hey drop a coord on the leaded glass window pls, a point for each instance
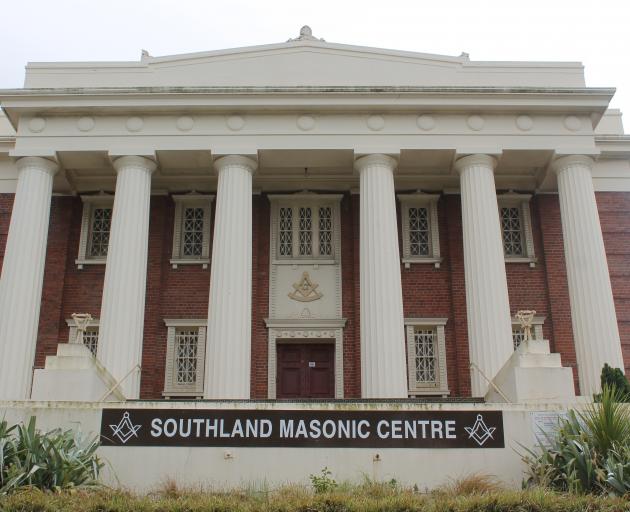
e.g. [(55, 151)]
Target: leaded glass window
[(518, 336), (512, 231), (325, 231), (192, 232), (100, 226), (305, 231), (419, 232), (186, 347), (426, 355), (90, 339), (285, 232)]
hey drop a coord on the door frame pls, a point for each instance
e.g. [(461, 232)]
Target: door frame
[(315, 331)]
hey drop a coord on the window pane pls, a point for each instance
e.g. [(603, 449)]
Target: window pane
[(512, 232), (99, 232), (325, 231), (425, 341), (419, 234), (306, 232), (90, 339), (286, 232), (186, 346), (192, 232), (518, 336)]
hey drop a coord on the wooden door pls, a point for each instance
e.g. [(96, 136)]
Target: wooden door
[(306, 370)]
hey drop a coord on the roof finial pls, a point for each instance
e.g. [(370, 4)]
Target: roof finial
[(306, 34)]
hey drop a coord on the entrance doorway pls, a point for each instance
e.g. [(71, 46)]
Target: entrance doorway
[(306, 370)]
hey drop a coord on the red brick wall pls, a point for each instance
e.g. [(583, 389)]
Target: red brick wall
[(427, 291), (614, 216)]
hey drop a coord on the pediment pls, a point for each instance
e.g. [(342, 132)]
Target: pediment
[(303, 62)]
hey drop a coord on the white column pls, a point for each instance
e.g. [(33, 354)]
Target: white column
[(487, 303), (595, 330), (121, 325), (383, 361), (228, 354), (23, 276)]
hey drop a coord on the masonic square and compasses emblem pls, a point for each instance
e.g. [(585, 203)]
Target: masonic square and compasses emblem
[(305, 290), (125, 430), (480, 432)]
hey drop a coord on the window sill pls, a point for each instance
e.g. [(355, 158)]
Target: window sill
[(429, 392), (433, 261), (82, 262), (182, 394), (532, 261), (203, 262), (296, 261)]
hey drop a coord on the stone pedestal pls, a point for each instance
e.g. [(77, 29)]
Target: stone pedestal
[(73, 375), (23, 276), (383, 360), (533, 374), (228, 352)]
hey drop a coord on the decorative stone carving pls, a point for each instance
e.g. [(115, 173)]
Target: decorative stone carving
[(524, 123), (82, 321), (306, 122), (37, 124), (235, 123), (185, 123), (306, 34), (85, 124), (134, 124), (376, 123), (425, 122), (475, 122), (572, 123), (305, 290), (525, 318)]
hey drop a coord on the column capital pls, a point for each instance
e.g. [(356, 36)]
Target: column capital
[(362, 163), (134, 161), (236, 160), (37, 161), (564, 162), (477, 159)]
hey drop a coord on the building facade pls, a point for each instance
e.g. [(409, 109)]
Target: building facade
[(308, 220)]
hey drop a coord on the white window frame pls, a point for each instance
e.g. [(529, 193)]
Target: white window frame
[(537, 327), (441, 385), (171, 388), (520, 201), (89, 204), (181, 203), (430, 202), (72, 332), (314, 201)]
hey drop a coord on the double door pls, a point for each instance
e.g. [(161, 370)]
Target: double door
[(306, 370)]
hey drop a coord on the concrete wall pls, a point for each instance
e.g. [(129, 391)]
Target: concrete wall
[(144, 468)]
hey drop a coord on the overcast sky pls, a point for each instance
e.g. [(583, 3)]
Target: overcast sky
[(592, 32)]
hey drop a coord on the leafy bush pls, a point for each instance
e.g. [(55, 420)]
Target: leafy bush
[(52, 460), (323, 482), (589, 453), (614, 378)]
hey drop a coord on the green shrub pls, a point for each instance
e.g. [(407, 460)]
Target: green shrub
[(323, 482), (51, 460), (615, 379), (589, 453)]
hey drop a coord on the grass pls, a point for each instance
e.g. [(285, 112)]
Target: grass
[(477, 493)]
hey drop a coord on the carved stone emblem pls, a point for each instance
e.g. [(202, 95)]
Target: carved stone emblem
[(82, 321), (305, 290), (525, 318)]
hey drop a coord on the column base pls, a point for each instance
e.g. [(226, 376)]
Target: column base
[(74, 374), (533, 374)]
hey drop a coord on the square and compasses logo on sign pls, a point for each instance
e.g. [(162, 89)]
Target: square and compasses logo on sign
[(480, 432), (125, 429)]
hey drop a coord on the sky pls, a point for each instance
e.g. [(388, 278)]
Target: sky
[(592, 32)]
